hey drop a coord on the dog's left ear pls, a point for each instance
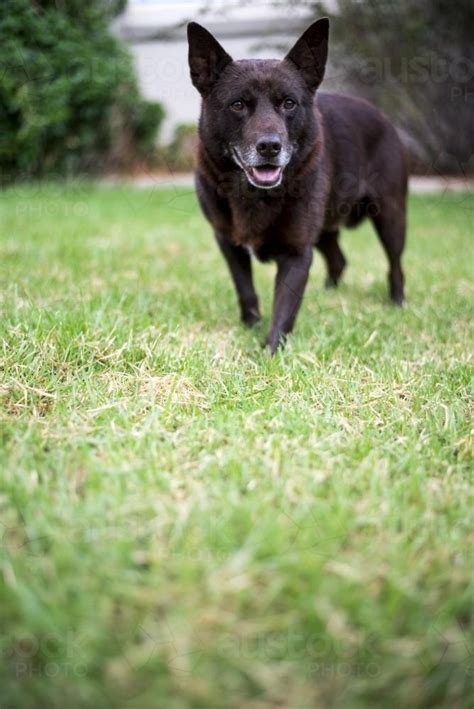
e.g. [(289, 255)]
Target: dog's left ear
[(206, 58), (310, 53)]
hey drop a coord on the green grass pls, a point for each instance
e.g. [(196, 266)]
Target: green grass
[(187, 522)]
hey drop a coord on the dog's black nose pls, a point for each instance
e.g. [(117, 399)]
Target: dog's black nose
[(269, 145)]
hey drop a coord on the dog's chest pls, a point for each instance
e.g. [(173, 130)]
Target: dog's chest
[(255, 221)]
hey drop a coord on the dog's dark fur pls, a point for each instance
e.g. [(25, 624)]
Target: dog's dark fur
[(279, 169)]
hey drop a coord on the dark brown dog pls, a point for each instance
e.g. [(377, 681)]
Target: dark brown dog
[(280, 170)]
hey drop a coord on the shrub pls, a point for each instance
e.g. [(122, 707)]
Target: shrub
[(68, 93)]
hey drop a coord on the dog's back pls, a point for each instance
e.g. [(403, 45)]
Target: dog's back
[(364, 158)]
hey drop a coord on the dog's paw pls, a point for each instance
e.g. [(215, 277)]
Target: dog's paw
[(251, 318), (330, 283), (274, 342), (397, 300)]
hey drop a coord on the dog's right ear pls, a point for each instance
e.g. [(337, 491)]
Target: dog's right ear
[(207, 58)]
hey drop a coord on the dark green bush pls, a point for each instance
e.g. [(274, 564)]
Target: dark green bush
[(69, 99)]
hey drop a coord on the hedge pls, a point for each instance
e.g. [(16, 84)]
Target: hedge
[(69, 99)]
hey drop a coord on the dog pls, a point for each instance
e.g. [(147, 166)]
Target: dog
[(281, 167)]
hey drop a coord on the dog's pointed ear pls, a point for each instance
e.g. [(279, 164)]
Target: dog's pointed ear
[(310, 53), (207, 58)]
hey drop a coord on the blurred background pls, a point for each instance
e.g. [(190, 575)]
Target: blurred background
[(102, 86)]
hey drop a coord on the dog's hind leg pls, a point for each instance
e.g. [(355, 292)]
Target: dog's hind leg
[(328, 246), (389, 224), (240, 267)]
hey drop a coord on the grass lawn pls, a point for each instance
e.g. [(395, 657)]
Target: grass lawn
[(187, 522)]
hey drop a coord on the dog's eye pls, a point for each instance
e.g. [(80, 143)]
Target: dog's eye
[(289, 104), (237, 105)]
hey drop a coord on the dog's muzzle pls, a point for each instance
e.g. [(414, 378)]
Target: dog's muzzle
[(264, 175)]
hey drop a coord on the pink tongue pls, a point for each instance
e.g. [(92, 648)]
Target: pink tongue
[(266, 174)]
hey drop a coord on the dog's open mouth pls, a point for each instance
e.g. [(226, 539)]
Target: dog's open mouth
[(265, 175)]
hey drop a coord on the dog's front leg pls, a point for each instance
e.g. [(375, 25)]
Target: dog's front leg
[(240, 267), (291, 279)]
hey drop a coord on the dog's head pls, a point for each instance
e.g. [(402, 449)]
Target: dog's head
[(259, 113)]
